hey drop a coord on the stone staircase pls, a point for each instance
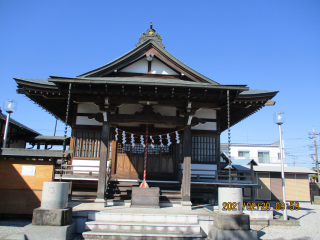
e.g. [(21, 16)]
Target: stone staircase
[(119, 192), (106, 225)]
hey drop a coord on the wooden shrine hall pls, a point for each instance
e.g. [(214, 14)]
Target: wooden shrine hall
[(110, 108)]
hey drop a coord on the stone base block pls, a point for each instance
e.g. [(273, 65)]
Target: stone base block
[(227, 221), (316, 200), (33, 232), (145, 197), (100, 203), (260, 214), (52, 217), (186, 205), (218, 234)]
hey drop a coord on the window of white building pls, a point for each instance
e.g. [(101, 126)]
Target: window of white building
[(245, 154), (264, 157)]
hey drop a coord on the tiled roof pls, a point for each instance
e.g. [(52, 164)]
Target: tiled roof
[(255, 91), (17, 124), (36, 80), (144, 80)]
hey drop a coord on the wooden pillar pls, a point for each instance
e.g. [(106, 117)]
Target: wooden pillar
[(104, 153), (186, 180)]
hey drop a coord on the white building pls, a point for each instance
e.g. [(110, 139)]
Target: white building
[(263, 154)]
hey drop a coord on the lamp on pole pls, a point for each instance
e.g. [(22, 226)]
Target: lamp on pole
[(9, 106), (279, 118)]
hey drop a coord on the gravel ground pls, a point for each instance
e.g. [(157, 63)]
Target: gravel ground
[(308, 215)]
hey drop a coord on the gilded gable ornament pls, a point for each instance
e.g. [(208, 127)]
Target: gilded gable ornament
[(150, 34)]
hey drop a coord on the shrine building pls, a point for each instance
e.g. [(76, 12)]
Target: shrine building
[(147, 93)]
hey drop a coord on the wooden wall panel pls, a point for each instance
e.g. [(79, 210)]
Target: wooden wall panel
[(10, 174), (264, 181), (21, 194), (303, 187), (19, 201), (276, 186), (290, 184)]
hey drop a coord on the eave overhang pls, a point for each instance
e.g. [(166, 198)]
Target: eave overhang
[(146, 82)]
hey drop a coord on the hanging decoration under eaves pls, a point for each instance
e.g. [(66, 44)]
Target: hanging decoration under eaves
[(132, 138), (124, 137)]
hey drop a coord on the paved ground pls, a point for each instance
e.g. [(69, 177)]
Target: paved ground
[(308, 215)]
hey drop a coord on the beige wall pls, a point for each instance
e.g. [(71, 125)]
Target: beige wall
[(264, 181), (297, 187), (21, 194)]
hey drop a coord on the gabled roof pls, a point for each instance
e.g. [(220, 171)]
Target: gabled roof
[(17, 125), (138, 53)]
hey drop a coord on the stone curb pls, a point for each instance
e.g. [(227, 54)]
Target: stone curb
[(275, 222)]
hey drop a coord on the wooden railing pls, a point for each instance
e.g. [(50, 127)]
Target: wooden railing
[(221, 176), (69, 170), (74, 172)]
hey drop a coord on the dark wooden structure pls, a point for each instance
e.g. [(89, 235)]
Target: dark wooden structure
[(147, 85)]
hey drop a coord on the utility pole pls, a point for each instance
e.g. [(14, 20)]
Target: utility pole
[(315, 150)]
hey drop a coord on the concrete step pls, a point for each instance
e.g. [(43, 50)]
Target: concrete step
[(148, 228), (143, 218), (138, 236)]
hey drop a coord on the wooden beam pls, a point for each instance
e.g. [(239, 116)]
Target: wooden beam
[(146, 119), (149, 66)]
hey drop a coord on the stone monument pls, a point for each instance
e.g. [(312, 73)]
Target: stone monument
[(145, 197), (229, 221), (53, 220)]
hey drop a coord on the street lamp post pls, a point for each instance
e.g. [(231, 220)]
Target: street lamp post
[(9, 106), (279, 118)]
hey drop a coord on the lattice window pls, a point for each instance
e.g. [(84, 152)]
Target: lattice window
[(87, 144), (203, 149)]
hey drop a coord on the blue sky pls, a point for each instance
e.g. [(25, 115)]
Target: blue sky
[(269, 45)]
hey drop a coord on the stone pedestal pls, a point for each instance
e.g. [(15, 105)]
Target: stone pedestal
[(186, 205), (52, 217), (145, 197), (316, 200), (100, 203), (34, 232), (53, 220), (218, 234), (229, 222)]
